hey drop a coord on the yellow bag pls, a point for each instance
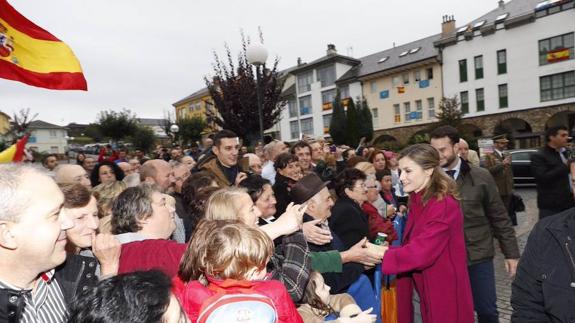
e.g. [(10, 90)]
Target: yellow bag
[(389, 303)]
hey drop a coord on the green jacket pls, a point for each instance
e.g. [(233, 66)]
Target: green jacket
[(484, 216)]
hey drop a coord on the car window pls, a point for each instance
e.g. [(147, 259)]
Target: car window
[(522, 156)]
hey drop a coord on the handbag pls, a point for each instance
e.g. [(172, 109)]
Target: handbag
[(389, 303), (517, 204)]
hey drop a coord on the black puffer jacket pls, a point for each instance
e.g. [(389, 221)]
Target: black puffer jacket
[(544, 288)]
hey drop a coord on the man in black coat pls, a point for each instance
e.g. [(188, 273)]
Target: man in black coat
[(544, 287), (551, 171)]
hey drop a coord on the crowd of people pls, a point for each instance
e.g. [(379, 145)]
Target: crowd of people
[(286, 233)]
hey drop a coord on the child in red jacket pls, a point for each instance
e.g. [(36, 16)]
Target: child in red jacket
[(222, 276)]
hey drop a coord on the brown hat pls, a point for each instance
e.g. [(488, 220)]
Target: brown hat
[(500, 138), (306, 188)]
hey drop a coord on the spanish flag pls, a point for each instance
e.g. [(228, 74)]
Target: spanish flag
[(15, 152), (31, 55), (558, 55), (400, 89)]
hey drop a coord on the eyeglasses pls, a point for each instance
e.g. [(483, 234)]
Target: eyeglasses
[(363, 186)]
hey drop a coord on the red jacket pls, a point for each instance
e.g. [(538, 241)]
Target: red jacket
[(161, 254), (377, 223), (193, 294), (432, 258)]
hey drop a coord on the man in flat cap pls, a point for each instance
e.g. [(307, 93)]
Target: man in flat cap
[(499, 165)]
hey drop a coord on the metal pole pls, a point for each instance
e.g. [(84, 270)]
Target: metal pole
[(260, 113)]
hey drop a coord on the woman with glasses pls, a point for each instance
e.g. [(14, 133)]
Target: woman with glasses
[(348, 220)]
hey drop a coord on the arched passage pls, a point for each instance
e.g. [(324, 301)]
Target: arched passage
[(387, 142), (520, 132)]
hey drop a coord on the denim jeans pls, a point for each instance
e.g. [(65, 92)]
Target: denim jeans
[(482, 277)]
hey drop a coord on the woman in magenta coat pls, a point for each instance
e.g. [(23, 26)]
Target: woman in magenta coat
[(431, 258)]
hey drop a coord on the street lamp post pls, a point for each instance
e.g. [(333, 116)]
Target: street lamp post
[(257, 55), (174, 130)]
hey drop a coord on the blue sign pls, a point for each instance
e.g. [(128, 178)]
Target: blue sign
[(384, 94), (32, 140), (423, 84)]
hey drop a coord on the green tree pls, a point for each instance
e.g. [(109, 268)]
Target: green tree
[(353, 125), (191, 129), (143, 138), (117, 125), (449, 112), (366, 120), (93, 131), (338, 121), (234, 92)]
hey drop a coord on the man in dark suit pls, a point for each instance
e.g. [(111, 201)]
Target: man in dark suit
[(550, 168)]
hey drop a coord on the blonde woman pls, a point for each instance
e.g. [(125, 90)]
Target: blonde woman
[(289, 264), (432, 257)]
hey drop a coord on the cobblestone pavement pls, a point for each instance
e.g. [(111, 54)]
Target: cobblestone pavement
[(526, 221)]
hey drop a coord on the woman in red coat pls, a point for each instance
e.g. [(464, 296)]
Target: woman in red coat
[(432, 257)]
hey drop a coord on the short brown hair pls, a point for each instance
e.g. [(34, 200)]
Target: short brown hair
[(225, 249), (75, 195)]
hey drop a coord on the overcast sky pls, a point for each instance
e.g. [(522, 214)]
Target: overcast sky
[(145, 55)]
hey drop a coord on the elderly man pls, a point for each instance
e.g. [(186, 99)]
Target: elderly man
[(126, 168), (469, 155), (143, 221), (188, 160), (71, 174), (50, 162), (255, 163), (135, 163), (271, 151), (88, 164), (340, 268), (32, 244)]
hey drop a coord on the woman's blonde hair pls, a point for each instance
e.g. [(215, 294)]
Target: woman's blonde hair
[(225, 249), (366, 167), (223, 204), (440, 184)]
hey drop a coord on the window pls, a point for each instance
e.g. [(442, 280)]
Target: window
[(304, 82), (344, 92), (374, 113), (328, 96), (406, 78), (503, 102), (305, 105), (292, 107), (307, 126), (373, 87), (326, 75), (417, 76), (383, 59), (395, 81), (478, 60), (407, 108), (294, 129), (463, 70), (431, 108), (464, 102), (556, 49), (480, 100), (52, 133), (414, 50), (419, 109), (326, 122), (54, 149), (430, 73), (557, 86), (501, 61), (397, 113)]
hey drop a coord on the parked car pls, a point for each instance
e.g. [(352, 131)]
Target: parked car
[(521, 165)]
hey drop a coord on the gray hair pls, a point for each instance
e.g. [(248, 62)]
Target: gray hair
[(133, 205), (12, 202)]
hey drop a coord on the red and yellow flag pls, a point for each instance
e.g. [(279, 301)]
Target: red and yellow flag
[(15, 152), (31, 55), (558, 55)]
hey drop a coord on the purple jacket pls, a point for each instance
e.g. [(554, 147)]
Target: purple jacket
[(432, 259)]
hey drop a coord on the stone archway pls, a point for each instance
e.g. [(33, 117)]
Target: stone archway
[(563, 118), (521, 132), (386, 142)]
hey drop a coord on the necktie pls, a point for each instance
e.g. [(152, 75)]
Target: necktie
[(451, 173)]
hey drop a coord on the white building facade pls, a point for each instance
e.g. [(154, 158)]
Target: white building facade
[(47, 138)]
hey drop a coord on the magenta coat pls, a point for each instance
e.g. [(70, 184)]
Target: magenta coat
[(432, 260)]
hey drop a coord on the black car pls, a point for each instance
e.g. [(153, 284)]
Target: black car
[(521, 165)]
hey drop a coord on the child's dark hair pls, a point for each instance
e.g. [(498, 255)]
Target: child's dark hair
[(310, 297)]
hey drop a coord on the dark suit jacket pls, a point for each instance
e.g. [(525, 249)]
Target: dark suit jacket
[(348, 221), (552, 178)]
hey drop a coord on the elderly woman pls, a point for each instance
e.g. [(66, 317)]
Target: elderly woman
[(348, 220), (288, 173), (289, 264), (106, 172)]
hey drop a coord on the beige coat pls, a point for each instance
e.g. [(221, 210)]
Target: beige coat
[(502, 174), (337, 302)]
